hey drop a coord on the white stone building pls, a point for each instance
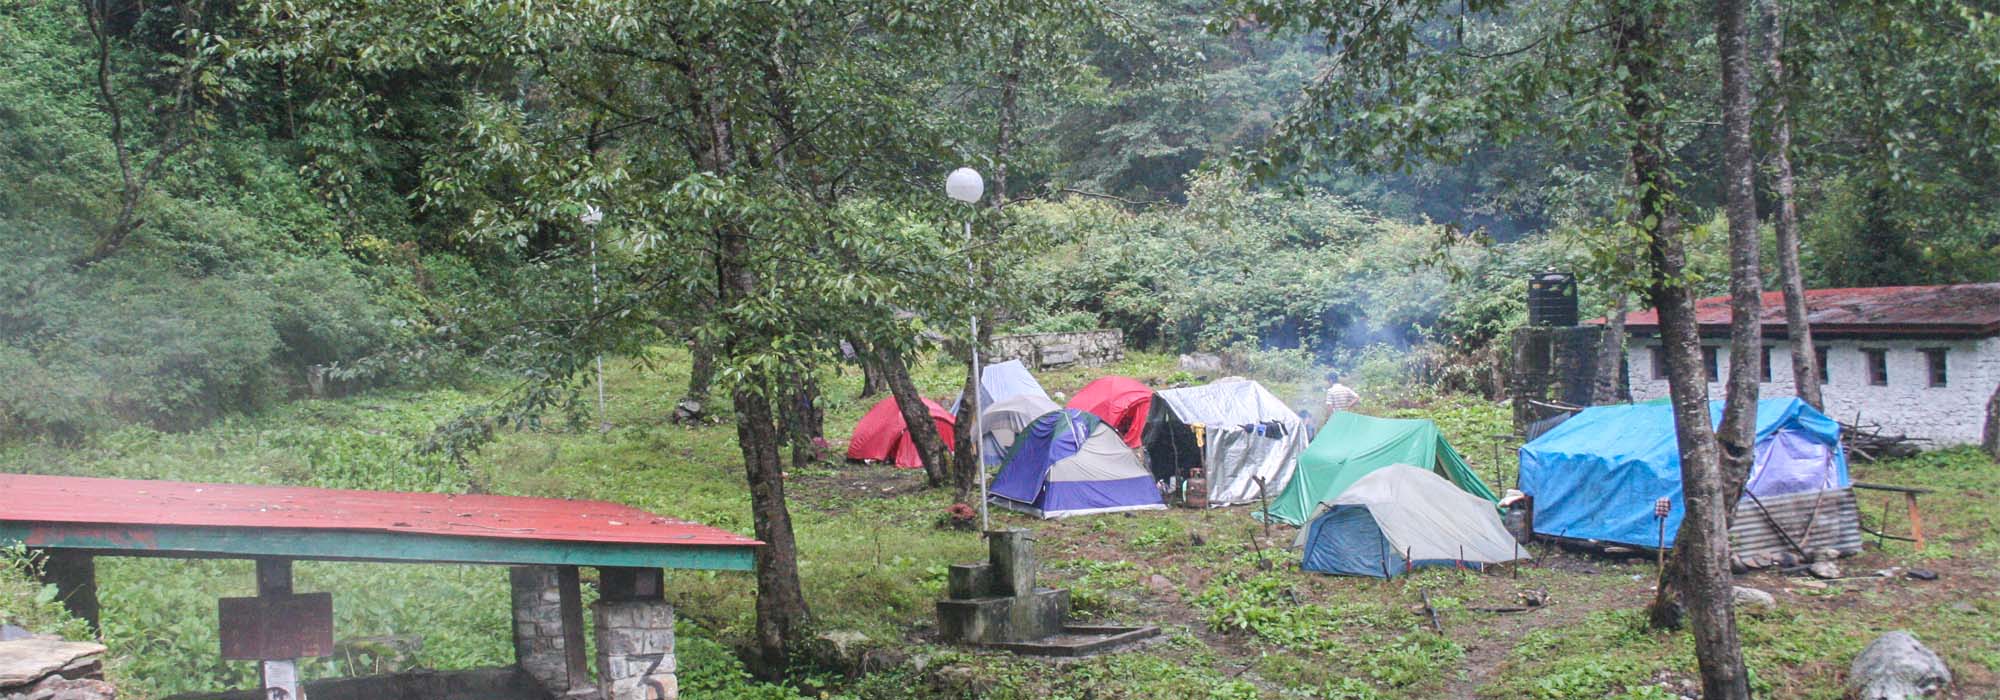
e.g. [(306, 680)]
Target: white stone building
[(1917, 361)]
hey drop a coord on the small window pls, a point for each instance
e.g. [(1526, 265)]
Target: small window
[(1659, 362), (1825, 375), (1710, 363), (1935, 360), (1764, 364), (1878, 366)]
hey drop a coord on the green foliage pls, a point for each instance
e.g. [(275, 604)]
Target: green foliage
[(29, 603)]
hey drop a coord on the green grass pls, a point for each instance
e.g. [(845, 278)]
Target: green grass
[(873, 561)]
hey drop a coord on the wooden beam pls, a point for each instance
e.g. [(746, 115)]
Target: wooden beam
[(620, 584), (569, 589), (75, 577), (1916, 520), (274, 577), (337, 545)]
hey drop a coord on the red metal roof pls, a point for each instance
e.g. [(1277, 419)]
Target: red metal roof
[(1940, 311), (128, 502)]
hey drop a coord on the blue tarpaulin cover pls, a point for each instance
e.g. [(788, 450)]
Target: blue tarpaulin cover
[(1596, 476)]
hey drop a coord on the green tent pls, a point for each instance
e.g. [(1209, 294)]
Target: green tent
[(1352, 445)]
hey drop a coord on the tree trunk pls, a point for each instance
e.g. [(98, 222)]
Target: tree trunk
[(805, 420), (701, 373), (872, 381), (1991, 439), (1738, 431), (781, 603), (916, 416), (1805, 356), (966, 461), (781, 606), (1609, 387), (1701, 551)]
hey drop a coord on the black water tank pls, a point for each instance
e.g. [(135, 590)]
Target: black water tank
[(1552, 299)]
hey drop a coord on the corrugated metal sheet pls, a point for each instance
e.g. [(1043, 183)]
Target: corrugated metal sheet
[(1952, 310), (91, 501), (1814, 521)]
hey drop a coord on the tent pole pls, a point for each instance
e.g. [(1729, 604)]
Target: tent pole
[(978, 386)]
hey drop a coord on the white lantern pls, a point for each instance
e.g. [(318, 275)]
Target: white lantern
[(965, 185)]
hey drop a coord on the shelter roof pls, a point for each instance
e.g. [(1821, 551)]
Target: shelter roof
[(183, 519), (1937, 311)]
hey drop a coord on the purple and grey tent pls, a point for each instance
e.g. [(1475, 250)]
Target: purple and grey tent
[(1070, 462)]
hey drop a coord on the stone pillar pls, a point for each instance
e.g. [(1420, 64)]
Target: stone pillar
[(541, 639), (1012, 554), (635, 636)]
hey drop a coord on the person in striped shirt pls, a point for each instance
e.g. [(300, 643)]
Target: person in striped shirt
[(1338, 396)]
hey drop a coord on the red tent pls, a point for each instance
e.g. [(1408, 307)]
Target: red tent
[(881, 437), (1121, 401)]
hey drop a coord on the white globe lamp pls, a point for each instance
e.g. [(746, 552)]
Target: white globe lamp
[(965, 185)]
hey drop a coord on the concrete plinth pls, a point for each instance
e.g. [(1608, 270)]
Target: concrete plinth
[(1003, 618), (1012, 554)]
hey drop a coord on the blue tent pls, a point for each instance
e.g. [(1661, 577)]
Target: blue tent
[(1069, 462), (1597, 475)]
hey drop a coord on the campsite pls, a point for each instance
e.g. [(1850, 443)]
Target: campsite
[(1068, 349), (1232, 627)]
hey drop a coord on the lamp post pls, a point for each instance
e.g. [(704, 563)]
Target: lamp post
[(965, 185), (592, 216)]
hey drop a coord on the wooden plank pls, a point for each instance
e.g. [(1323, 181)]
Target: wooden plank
[(281, 626), (1916, 520), (335, 545), (620, 584), (274, 577), (1889, 487), (569, 591)]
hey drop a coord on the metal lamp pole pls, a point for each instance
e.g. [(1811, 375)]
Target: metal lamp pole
[(591, 217), (965, 185)]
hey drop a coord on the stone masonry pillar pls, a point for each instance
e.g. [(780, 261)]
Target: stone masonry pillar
[(541, 645), (635, 636)]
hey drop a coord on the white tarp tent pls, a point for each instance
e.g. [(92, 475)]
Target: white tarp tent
[(1001, 381), (1400, 516), (1248, 433)]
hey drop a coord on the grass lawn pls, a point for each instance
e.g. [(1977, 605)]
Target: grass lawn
[(1240, 620)]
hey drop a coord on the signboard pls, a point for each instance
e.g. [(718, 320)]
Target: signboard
[(277, 627)]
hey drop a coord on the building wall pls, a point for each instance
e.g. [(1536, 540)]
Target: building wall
[(1949, 415)]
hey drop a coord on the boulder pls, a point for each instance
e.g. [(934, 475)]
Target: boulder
[(1824, 569), (1896, 667), (57, 688), (1753, 600), (1825, 554), (24, 661)]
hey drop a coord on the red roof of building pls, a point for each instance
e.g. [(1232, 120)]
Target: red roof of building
[(73, 500), (1939, 311)]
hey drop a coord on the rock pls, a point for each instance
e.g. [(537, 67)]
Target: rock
[(1753, 599), (1159, 585), (1201, 362), (10, 633), (847, 644), (1824, 569), (1825, 554), (24, 661), (1895, 667), (56, 688), (1922, 574)]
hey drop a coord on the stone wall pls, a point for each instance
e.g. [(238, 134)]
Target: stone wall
[(1053, 350), (635, 650), (1948, 415)]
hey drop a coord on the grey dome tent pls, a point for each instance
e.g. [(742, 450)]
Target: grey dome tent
[(1399, 517), (1005, 420), (1248, 434)]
